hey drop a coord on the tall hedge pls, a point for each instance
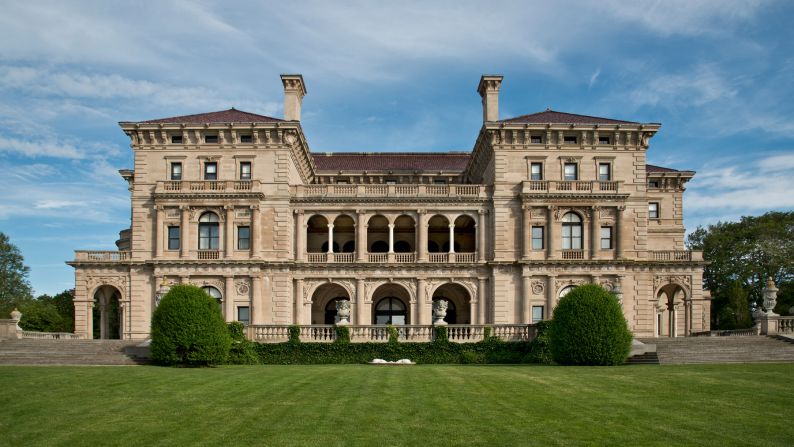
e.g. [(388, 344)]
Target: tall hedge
[(188, 328), (589, 328)]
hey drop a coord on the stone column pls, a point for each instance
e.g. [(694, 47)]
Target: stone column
[(229, 239), (550, 297), (551, 226), (451, 238), (257, 309), (481, 232), (526, 300), (298, 303), (481, 294), (391, 238), (358, 310), (619, 243), (526, 227), (184, 230), (300, 230), (159, 231), (330, 238), (103, 317), (595, 238), (421, 312), (687, 317), (256, 221), (422, 230), (228, 299), (361, 237)]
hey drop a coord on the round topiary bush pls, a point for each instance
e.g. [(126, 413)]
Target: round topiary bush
[(188, 328), (589, 328)]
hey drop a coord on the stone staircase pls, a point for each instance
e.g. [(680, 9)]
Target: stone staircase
[(67, 352), (744, 349)]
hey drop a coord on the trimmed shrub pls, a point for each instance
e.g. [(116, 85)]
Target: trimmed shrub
[(342, 334), (588, 328), (441, 334), (294, 334), (394, 336), (540, 351), (242, 351), (188, 328)]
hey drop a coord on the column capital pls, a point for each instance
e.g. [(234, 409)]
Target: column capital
[(184, 207), (254, 206), (295, 211)]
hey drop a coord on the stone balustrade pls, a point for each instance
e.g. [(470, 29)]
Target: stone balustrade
[(404, 191), (49, 335), (207, 186), (570, 187), (676, 255), (101, 256), (458, 333), (391, 258)]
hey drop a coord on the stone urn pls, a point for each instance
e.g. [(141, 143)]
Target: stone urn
[(16, 314), (439, 311), (164, 288), (343, 312), (770, 297)]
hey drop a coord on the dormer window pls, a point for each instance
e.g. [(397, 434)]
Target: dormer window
[(603, 140), (211, 139), (246, 139), (440, 181), (536, 139), (569, 139), (176, 139), (653, 184)]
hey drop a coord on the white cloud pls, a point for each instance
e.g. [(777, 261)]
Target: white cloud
[(702, 85), (594, 78), (39, 148)]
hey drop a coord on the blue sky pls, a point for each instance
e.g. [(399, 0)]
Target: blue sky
[(396, 76)]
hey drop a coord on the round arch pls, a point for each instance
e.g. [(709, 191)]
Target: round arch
[(438, 234), (391, 305), (107, 313), (323, 296), (378, 234), (672, 319), (317, 234), (459, 297)]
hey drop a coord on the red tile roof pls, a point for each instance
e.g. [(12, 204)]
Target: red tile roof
[(224, 116), (552, 117), (654, 168), (391, 161)]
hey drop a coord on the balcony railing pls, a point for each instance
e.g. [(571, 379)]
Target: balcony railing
[(573, 254), (389, 258), (459, 333), (209, 254), (207, 186), (676, 255), (408, 191), (101, 256), (570, 187)]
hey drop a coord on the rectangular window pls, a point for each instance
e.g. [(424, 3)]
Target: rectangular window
[(176, 139), (243, 238), (245, 170), (246, 139), (392, 181), (570, 172), (176, 171), (603, 140), (212, 139), (537, 314), (606, 238), (604, 172), (537, 238), (536, 139), (536, 171), (653, 184), (569, 139), (210, 170), (173, 238), (244, 314), (439, 182), (653, 210)]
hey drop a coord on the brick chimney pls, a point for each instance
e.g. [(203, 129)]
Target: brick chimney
[(294, 91), (489, 91)]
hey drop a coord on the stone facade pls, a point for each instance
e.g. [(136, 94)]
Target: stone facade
[(237, 203)]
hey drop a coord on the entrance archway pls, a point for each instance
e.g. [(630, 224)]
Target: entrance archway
[(673, 315), (107, 313), (324, 301), (391, 305), (459, 307)]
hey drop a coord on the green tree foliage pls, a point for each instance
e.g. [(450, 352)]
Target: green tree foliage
[(188, 328), (748, 252), (14, 284), (734, 308), (48, 313), (589, 328)]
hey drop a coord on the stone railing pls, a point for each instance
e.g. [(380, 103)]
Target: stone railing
[(785, 325), (208, 254), (676, 255), (572, 254), (49, 335), (391, 258), (570, 187), (207, 186), (458, 333), (728, 333), (102, 256), (406, 191)]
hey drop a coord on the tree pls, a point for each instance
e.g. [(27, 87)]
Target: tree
[(746, 252), (14, 284), (48, 313)]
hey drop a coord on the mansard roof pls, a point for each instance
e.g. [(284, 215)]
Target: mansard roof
[(654, 168), (221, 117), (549, 116), (391, 161)]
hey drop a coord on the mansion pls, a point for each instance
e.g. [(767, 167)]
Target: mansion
[(237, 203)]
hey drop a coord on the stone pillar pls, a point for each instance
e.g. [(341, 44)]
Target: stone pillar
[(481, 232), (687, 317), (451, 238), (256, 221), (421, 311), (422, 230), (550, 298), (228, 299), (330, 238), (300, 236), (551, 226), (526, 227), (184, 230), (298, 303), (159, 231), (361, 238), (229, 239), (595, 232), (483, 308), (358, 310), (619, 242), (257, 309), (391, 238), (526, 300), (103, 317)]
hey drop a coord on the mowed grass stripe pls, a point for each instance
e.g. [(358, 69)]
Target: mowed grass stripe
[(424, 404)]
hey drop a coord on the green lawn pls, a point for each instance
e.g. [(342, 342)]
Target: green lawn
[(712, 405)]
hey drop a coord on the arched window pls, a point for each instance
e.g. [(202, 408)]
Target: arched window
[(566, 290), (390, 311), (330, 310), (571, 232), (214, 293), (452, 312), (209, 235), (379, 247)]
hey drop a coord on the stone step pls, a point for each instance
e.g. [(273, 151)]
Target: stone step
[(648, 358), (737, 349), (67, 352)]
